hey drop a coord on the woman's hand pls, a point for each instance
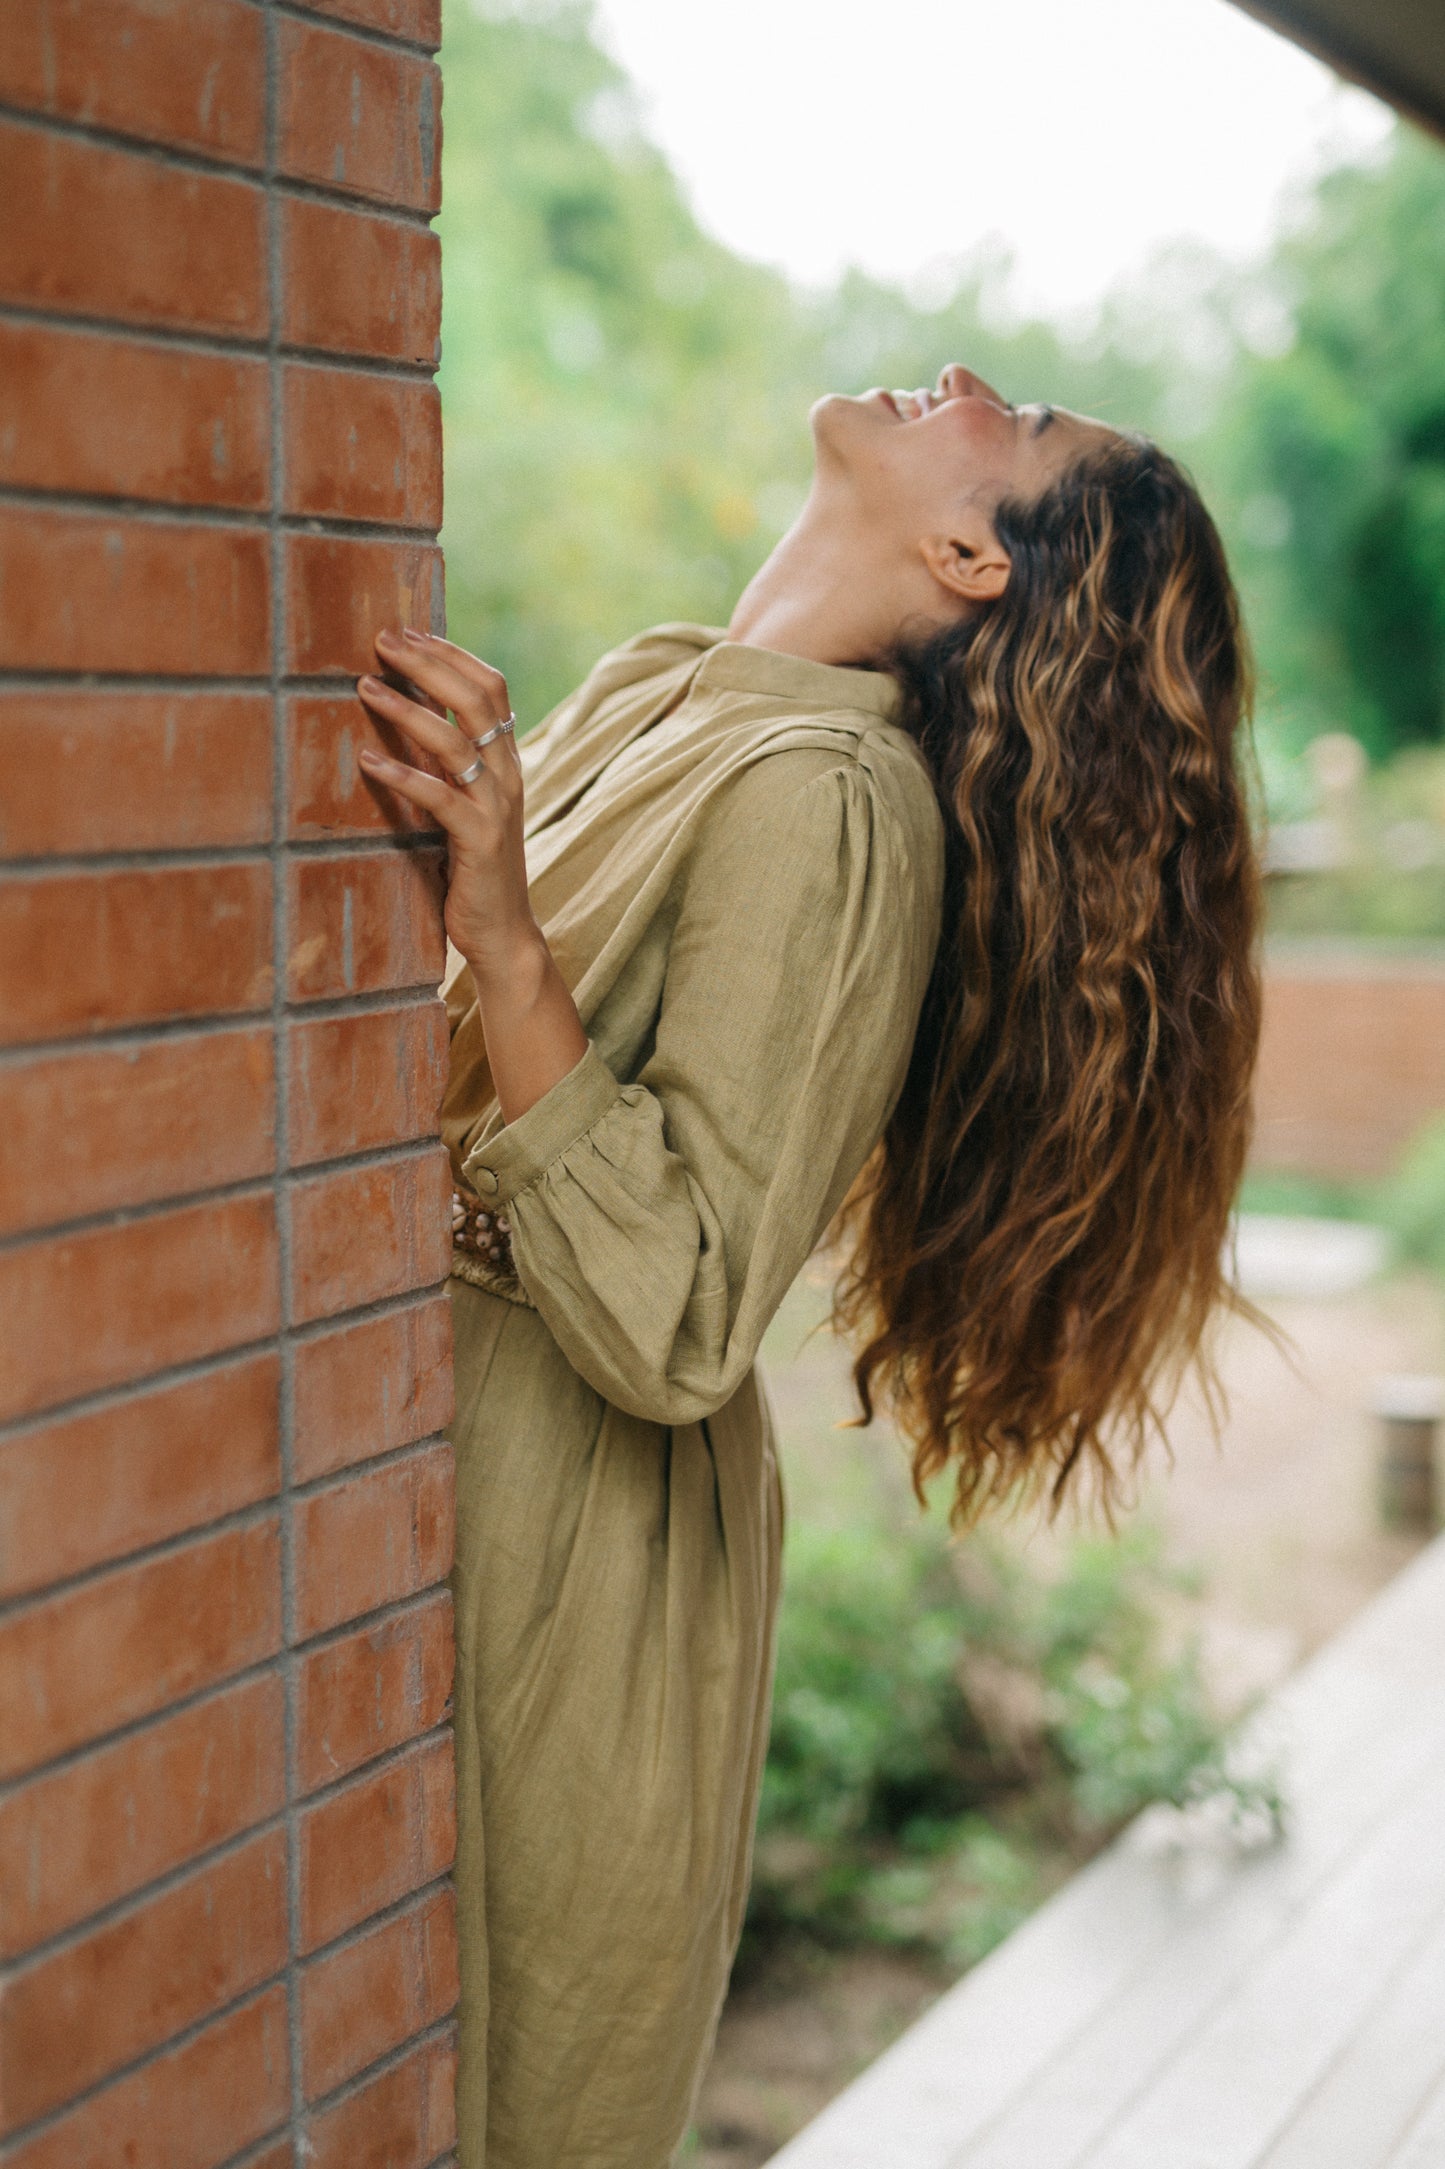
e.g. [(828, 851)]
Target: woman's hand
[(533, 1032), (487, 912)]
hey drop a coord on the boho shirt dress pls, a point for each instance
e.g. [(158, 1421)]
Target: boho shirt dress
[(737, 858)]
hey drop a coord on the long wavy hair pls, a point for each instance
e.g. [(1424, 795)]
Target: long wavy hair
[(1034, 1252)]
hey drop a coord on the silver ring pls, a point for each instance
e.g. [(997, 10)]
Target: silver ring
[(470, 773), (508, 723)]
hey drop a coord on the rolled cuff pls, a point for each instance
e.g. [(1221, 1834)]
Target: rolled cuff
[(518, 1154)]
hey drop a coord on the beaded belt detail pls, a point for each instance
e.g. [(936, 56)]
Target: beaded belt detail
[(483, 1234)]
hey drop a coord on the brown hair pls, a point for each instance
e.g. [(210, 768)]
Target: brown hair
[(1036, 1244)]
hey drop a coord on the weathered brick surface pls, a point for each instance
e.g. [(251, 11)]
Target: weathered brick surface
[(360, 284), (177, 1114), (340, 590), (327, 792), (365, 924), (83, 771), (366, 1692), (80, 952), (77, 1665), (364, 1388), (375, 1840), (95, 591), (362, 447), (400, 2120), (362, 1081), (148, 1467), (358, 2002), (373, 1537), (128, 418), (94, 231), (186, 73), (189, 2108), (104, 1825), (360, 117), (225, 1643), (71, 2017), (94, 1308), (418, 20)]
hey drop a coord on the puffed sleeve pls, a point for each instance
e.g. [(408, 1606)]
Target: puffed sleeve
[(657, 1225)]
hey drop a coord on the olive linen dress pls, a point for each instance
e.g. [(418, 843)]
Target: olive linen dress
[(737, 859)]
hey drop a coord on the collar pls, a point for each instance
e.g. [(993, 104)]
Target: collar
[(733, 666)]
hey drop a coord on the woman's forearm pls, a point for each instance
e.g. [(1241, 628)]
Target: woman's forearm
[(533, 1032)]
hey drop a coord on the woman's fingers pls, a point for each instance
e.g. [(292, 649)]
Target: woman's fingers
[(430, 731), (448, 806), (475, 693)]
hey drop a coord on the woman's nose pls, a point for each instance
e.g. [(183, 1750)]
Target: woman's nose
[(956, 382)]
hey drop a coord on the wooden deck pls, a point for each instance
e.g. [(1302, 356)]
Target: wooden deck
[(1282, 2009)]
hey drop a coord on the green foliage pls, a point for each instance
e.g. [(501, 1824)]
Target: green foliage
[(1331, 456), (953, 1732), (1413, 1203)]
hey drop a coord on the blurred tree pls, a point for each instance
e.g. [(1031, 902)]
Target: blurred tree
[(626, 400), (1331, 459)]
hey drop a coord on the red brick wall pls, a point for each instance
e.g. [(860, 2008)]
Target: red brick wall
[(1353, 1058), (225, 1505)]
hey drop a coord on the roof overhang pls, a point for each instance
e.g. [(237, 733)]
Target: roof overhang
[(1395, 48)]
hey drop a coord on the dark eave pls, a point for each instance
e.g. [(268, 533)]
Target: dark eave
[(1395, 48)]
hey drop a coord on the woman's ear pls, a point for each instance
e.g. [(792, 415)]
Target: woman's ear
[(969, 563)]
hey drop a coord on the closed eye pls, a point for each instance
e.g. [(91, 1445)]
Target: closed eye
[(1046, 415)]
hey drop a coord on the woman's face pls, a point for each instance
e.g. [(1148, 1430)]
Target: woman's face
[(916, 456)]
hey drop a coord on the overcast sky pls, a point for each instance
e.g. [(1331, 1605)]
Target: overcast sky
[(814, 133)]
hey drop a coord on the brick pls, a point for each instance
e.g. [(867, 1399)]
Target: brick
[(401, 2120), (280, 2156), (189, 73), (419, 20), (85, 951), (94, 231), (93, 1309), (83, 771), (340, 592), (1351, 1060), (372, 1385), (364, 1233), (70, 2018), (358, 284), (106, 1824), (372, 1691), (364, 924), (187, 2109), (77, 1665), (90, 591), (362, 1081), (362, 447), (327, 793), (118, 418), (360, 2002), (148, 1467), (173, 1115), (358, 117), (373, 1538), (376, 1840)]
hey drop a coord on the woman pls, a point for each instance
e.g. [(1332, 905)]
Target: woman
[(941, 851)]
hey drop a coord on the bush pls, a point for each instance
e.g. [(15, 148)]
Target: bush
[(954, 1732), (1412, 1205)]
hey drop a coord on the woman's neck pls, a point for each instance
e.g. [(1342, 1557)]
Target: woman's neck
[(824, 593)]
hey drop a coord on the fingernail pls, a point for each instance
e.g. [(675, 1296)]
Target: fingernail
[(369, 759), (369, 684), (386, 638), (417, 639)]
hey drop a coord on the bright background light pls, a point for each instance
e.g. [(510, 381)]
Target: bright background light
[(1082, 133)]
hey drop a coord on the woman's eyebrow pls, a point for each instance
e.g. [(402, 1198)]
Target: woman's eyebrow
[(1046, 415)]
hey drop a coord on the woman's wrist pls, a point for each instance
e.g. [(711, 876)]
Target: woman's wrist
[(533, 1033)]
